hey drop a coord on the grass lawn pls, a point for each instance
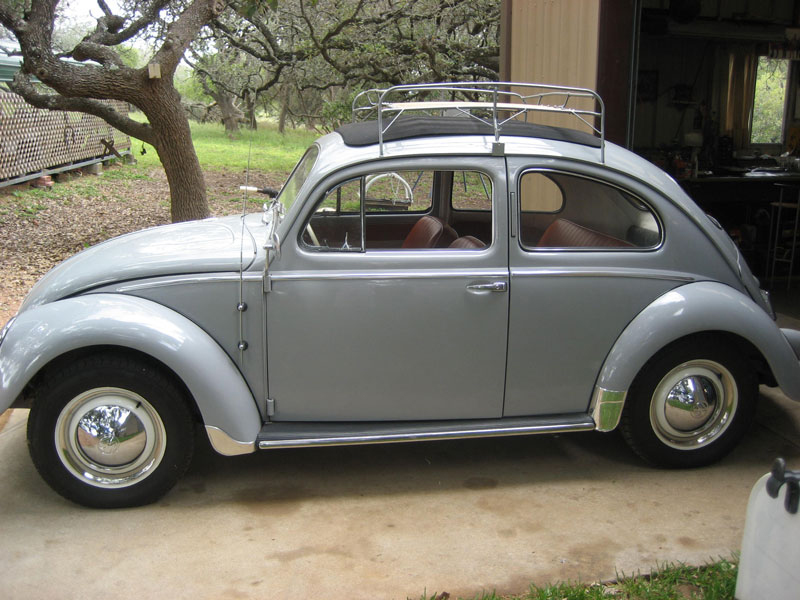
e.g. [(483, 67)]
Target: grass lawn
[(267, 150), (716, 581)]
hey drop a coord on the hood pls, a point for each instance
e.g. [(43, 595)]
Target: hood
[(211, 245)]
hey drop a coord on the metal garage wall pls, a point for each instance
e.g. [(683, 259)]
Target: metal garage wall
[(551, 41)]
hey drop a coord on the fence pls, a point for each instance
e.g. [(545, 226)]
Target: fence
[(34, 142)]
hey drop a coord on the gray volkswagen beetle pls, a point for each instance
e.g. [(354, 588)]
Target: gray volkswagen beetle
[(419, 277)]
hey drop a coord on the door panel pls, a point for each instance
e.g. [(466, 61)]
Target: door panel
[(575, 286), (377, 334), (386, 347)]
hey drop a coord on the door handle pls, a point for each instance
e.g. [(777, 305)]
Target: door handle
[(494, 286)]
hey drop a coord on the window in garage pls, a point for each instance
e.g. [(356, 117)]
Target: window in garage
[(769, 101)]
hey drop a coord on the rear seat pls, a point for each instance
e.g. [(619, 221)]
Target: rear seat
[(468, 242), (565, 234)]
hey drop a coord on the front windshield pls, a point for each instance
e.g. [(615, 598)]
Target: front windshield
[(298, 177)]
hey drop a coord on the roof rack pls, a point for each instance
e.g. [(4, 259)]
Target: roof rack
[(492, 103)]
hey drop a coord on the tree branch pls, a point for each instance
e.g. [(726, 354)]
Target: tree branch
[(22, 85)]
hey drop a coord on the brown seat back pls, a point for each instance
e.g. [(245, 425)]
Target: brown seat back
[(468, 243), (425, 233), (565, 234)]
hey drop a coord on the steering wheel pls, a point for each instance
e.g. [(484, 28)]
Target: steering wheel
[(396, 182)]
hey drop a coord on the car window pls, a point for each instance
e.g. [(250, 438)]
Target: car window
[(297, 178), (567, 211), (471, 191), (389, 210)]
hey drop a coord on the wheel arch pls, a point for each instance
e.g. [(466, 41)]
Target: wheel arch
[(50, 334), (706, 310), (77, 354)]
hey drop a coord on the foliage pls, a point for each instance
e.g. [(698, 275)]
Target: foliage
[(716, 581), (103, 67), (769, 100), (306, 58), (265, 150)]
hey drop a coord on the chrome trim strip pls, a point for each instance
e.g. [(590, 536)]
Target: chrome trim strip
[(584, 425), (422, 274), (581, 272), (226, 445), (606, 408), (182, 279)]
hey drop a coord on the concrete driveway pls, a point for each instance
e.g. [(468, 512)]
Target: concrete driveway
[(391, 521)]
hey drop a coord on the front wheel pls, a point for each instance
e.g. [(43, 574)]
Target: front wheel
[(690, 405), (110, 432)]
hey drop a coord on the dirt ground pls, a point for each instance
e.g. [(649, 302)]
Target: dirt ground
[(36, 233)]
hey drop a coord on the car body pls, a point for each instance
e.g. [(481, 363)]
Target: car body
[(418, 279)]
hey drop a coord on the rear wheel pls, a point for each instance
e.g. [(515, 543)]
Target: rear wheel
[(690, 405), (110, 432)]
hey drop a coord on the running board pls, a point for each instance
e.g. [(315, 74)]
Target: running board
[(303, 434)]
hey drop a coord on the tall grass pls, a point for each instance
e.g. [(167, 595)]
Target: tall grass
[(267, 149)]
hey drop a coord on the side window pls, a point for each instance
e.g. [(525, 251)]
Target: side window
[(471, 191), (335, 224), (396, 191), (408, 210), (559, 210)]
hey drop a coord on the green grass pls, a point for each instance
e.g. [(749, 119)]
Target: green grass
[(266, 149), (716, 581)]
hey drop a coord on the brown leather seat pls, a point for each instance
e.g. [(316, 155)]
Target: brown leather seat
[(468, 243), (430, 232), (565, 234)]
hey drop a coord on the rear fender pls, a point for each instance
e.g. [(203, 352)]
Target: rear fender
[(42, 334), (698, 308)]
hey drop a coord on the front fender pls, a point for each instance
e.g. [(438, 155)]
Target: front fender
[(42, 334), (695, 308)]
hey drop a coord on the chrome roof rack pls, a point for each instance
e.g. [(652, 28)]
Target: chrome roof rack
[(492, 103)]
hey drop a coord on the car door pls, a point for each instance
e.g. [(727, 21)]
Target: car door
[(586, 256), (369, 321)]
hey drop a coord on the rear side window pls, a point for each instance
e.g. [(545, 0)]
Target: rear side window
[(565, 211)]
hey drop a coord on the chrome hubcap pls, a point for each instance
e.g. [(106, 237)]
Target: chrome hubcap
[(110, 437), (693, 404)]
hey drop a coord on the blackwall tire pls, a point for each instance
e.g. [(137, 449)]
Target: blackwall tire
[(691, 404), (110, 432)]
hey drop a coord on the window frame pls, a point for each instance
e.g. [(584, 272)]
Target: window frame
[(443, 205), (637, 198), (785, 113)]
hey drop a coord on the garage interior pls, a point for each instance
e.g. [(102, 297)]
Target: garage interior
[(709, 90)]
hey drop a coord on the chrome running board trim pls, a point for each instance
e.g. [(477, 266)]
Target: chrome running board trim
[(299, 434)]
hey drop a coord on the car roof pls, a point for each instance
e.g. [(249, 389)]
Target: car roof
[(366, 133)]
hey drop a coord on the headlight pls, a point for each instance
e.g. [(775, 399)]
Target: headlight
[(5, 329)]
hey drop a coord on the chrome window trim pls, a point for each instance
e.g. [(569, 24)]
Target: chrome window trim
[(533, 249)]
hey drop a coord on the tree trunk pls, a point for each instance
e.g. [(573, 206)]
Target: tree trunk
[(252, 122), (230, 113), (282, 118), (173, 142)]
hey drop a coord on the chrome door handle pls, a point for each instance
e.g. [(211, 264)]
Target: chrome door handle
[(494, 286)]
